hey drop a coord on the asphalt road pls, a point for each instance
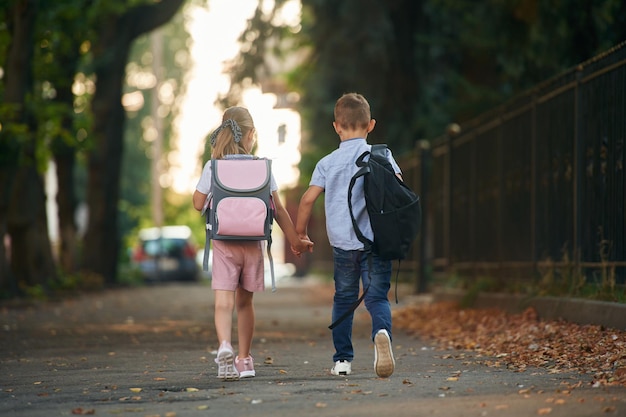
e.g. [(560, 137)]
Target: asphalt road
[(149, 352)]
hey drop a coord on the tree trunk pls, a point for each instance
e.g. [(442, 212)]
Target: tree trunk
[(31, 254), (22, 205), (65, 158), (102, 242)]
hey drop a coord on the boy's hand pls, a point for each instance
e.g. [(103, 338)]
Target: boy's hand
[(305, 245)]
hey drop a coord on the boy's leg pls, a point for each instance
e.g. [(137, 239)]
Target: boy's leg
[(377, 297), (346, 277), (377, 303)]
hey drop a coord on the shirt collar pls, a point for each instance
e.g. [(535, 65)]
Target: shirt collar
[(351, 142)]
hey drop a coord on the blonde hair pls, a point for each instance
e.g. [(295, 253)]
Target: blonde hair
[(352, 111), (224, 140)]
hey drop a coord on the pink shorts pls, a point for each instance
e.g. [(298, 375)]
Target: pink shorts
[(238, 264)]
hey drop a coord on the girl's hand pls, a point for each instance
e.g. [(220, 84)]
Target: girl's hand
[(305, 245)]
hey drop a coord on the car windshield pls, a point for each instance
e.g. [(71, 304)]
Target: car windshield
[(169, 247)]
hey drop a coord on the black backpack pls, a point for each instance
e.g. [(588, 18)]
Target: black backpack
[(394, 211)]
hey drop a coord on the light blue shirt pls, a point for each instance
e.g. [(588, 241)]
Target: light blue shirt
[(333, 173)]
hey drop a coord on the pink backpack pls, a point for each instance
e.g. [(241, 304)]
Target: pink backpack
[(239, 205)]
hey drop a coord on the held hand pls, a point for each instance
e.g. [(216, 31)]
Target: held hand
[(305, 245)]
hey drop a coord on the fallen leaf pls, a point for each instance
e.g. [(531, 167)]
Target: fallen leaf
[(135, 390), (519, 342), (190, 389), (544, 411), (83, 412)]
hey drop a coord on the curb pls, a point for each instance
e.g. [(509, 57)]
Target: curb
[(575, 310)]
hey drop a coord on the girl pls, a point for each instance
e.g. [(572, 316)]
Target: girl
[(238, 265)]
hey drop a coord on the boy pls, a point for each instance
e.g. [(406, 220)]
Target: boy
[(332, 176)]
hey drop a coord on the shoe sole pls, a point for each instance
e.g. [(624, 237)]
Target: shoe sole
[(226, 366), (340, 373), (383, 363), (247, 374)]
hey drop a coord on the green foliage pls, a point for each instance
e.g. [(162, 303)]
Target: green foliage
[(135, 211), (568, 278), (423, 65), (56, 113), (65, 285)]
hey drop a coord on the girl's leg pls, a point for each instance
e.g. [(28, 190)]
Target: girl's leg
[(224, 306), (245, 321)]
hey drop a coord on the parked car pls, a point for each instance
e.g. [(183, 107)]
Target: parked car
[(166, 253)]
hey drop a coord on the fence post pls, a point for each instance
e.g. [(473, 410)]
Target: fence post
[(423, 275), (579, 163)]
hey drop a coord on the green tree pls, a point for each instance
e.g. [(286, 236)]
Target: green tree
[(140, 87), (46, 49), (22, 201), (422, 64), (116, 32)]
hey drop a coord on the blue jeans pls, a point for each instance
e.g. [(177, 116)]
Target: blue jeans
[(350, 267)]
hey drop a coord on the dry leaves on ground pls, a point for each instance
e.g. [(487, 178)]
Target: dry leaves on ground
[(521, 341)]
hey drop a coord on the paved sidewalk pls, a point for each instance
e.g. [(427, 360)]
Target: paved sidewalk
[(149, 352)]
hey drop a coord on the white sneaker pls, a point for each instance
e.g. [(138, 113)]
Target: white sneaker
[(384, 363), (226, 363), (342, 368)]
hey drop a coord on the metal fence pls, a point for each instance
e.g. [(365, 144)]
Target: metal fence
[(535, 184)]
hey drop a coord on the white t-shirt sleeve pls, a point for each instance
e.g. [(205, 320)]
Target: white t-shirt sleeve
[(204, 183)]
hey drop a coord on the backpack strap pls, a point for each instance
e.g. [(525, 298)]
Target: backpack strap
[(206, 211), (361, 172), (269, 244), (379, 151), (269, 255)]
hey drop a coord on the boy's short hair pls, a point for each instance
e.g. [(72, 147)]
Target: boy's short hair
[(352, 111)]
